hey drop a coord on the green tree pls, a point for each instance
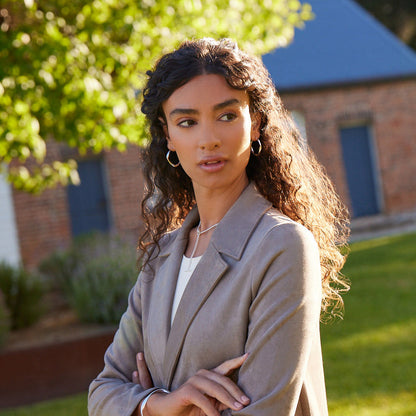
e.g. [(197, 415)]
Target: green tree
[(70, 70)]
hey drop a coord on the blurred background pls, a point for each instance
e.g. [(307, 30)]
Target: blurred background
[(70, 183)]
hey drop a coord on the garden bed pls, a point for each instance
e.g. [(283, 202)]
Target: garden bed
[(58, 354), (56, 357)]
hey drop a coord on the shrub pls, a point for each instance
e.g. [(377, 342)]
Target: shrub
[(4, 320), (100, 290), (96, 273), (59, 267), (23, 293)]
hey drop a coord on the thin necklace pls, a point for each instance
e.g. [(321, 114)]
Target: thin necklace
[(198, 234)]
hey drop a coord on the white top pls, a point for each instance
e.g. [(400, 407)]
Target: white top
[(185, 272)]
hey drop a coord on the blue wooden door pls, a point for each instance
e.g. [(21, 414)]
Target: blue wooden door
[(87, 202), (360, 170)]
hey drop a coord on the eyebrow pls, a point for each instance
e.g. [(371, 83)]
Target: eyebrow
[(226, 103), (217, 107)]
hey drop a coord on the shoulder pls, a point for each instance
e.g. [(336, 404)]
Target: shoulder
[(284, 251), (269, 222), (285, 233), (281, 245)]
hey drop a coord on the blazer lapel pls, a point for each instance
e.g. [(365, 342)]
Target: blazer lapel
[(208, 272), (160, 308), (159, 312), (229, 239)]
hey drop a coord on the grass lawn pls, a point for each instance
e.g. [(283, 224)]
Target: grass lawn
[(69, 406), (370, 356)]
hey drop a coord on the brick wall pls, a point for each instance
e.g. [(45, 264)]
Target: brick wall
[(125, 184), (390, 109), (43, 221)]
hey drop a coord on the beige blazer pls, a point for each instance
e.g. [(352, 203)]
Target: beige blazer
[(257, 289)]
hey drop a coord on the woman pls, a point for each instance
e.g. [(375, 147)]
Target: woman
[(241, 256)]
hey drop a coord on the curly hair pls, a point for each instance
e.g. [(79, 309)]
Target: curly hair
[(286, 173)]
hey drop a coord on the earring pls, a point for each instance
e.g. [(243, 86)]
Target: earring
[(258, 149), (174, 165)]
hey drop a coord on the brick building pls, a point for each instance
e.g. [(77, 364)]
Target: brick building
[(108, 200), (351, 87), (365, 135)]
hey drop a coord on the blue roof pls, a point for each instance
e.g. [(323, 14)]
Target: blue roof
[(342, 45)]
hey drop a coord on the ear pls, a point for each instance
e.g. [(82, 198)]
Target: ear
[(171, 147), (255, 126), (166, 132)]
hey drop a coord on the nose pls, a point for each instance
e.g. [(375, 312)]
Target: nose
[(208, 139)]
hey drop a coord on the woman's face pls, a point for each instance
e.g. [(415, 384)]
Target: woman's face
[(210, 127)]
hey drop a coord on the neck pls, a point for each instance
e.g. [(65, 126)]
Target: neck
[(214, 204)]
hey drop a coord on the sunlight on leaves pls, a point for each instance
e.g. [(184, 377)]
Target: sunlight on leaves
[(71, 70)]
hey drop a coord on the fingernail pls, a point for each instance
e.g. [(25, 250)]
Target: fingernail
[(245, 399), (238, 405), (140, 356)]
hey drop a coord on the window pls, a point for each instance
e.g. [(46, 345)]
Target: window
[(360, 169), (88, 202)]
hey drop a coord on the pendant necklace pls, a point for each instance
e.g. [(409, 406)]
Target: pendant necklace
[(198, 234)]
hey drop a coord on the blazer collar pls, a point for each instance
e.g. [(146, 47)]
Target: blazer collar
[(177, 238), (235, 229)]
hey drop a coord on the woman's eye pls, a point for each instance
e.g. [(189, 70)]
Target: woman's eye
[(186, 123), (228, 117)]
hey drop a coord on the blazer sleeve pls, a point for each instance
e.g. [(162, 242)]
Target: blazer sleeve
[(283, 323), (113, 393)]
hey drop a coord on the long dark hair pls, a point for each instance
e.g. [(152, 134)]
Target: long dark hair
[(286, 172)]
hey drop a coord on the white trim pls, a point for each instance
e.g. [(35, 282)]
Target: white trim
[(299, 119), (376, 168), (9, 241)]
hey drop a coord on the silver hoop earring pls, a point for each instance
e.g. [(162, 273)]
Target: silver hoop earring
[(174, 165), (258, 147)]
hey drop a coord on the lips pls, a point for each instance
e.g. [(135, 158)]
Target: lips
[(211, 160), (212, 164)]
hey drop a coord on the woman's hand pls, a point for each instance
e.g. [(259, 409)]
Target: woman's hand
[(208, 392), (141, 375)]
